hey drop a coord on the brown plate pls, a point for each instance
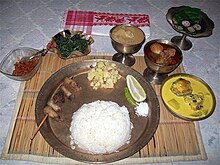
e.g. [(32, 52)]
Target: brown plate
[(57, 134)]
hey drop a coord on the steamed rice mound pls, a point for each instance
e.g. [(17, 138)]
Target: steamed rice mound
[(100, 127)]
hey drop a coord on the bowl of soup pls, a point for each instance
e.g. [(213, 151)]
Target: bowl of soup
[(127, 39), (162, 56)]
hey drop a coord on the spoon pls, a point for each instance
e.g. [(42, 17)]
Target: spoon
[(42, 52)]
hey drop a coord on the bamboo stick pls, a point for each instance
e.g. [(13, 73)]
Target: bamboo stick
[(38, 128), (31, 127)]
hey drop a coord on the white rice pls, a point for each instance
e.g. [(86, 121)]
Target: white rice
[(100, 127)]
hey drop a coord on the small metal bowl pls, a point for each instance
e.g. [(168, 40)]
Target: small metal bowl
[(8, 62), (52, 45), (156, 73), (125, 50), (207, 26), (158, 67)]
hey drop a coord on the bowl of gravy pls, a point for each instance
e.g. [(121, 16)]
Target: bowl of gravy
[(127, 39)]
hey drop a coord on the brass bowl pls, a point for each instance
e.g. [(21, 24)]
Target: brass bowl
[(207, 26), (123, 47), (158, 67), (156, 73), (53, 47), (126, 50)]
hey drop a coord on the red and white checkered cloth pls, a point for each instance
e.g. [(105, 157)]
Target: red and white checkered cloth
[(98, 23)]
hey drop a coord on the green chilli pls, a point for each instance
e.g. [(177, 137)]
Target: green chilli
[(129, 97)]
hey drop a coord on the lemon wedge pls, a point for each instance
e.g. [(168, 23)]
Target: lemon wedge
[(135, 89)]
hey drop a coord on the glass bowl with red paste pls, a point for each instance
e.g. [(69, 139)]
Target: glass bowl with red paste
[(162, 56), (13, 67)]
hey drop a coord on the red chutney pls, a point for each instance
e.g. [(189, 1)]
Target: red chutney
[(154, 57), (23, 67)]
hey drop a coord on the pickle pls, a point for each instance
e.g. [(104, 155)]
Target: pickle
[(129, 98)]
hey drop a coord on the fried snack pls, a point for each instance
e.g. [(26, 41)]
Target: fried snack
[(181, 87)]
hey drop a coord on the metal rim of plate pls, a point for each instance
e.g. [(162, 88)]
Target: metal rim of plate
[(144, 127), (197, 79)]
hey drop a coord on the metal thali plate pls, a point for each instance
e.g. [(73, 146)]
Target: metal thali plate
[(57, 134)]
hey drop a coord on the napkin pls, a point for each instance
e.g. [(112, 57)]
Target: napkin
[(100, 23)]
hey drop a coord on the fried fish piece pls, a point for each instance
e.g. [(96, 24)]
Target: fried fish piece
[(181, 87)]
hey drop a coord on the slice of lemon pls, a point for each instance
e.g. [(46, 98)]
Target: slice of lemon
[(135, 89)]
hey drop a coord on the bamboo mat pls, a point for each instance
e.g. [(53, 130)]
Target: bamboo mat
[(174, 140)]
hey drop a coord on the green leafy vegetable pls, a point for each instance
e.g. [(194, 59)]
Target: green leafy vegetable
[(67, 45), (193, 15)]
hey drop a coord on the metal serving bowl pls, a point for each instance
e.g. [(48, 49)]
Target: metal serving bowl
[(7, 64), (158, 67), (126, 48), (125, 51), (207, 26), (156, 73), (52, 45)]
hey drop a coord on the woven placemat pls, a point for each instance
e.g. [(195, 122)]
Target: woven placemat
[(174, 140)]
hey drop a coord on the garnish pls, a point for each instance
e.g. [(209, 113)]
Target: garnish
[(135, 89)]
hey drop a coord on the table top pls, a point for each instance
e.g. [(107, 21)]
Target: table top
[(33, 23)]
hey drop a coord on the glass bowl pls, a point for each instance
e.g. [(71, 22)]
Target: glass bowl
[(7, 65)]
